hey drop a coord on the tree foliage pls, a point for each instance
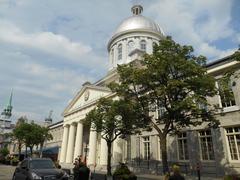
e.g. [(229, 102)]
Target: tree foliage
[(112, 119), (44, 135), (31, 135), (173, 79), (4, 151)]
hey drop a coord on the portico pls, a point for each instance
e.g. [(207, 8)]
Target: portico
[(78, 139)]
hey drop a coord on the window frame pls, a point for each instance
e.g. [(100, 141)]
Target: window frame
[(235, 143), (143, 43), (185, 151), (206, 142), (148, 147), (222, 97), (130, 47), (120, 55)]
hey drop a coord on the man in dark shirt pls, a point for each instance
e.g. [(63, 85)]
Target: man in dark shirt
[(176, 174)]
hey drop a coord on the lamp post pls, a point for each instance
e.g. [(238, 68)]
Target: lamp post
[(86, 151)]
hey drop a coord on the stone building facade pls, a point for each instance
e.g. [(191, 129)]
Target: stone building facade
[(216, 150)]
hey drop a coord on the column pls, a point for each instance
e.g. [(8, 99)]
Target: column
[(103, 152), (117, 151), (71, 140), (79, 139), (64, 143), (92, 147)]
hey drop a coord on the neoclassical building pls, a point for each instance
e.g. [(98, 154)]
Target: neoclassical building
[(133, 37), (217, 150)]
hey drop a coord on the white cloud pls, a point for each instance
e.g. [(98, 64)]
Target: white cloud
[(56, 80), (48, 42), (198, 23)]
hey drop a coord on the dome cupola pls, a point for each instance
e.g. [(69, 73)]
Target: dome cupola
[(136, 32)]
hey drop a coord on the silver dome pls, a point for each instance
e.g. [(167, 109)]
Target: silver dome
[(138, 22)]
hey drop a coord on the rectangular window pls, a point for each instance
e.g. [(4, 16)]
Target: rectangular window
[(206, 145), (146, 147), (160, 111), (226, 95), (120, 52), (233, 138), (182, 146)]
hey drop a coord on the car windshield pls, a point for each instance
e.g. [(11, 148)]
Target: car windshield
[(41, 164)]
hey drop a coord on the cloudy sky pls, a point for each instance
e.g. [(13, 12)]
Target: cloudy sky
[(49, 48)]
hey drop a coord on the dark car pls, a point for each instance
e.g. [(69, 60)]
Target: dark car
[(39, 169)]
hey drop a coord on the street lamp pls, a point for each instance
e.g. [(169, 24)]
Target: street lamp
[(86, 151)]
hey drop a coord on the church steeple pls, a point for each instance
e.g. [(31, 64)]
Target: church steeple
[(7, 112)]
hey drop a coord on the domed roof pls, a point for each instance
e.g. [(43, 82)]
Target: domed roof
[(138, 22)]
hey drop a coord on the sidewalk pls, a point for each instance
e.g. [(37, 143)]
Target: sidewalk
[(159, 177)]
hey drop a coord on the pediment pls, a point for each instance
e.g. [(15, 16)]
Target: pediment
[(88, 94)]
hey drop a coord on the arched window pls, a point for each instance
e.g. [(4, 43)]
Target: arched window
[(143, 45), (112, 56), (130, 46), (119, 51)]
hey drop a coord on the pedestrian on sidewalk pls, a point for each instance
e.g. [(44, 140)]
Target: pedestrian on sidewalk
[(176, 174), (80, 170)]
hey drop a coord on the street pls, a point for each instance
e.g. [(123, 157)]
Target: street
[(6, 172)]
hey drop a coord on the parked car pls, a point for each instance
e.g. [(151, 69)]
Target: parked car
[(39, 169)]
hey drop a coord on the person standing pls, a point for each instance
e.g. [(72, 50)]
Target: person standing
[(76, 169), (176, 174)]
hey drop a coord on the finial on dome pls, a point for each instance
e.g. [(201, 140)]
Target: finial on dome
[(137, 9)]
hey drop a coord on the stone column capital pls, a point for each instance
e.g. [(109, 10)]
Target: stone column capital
[(66, 125)]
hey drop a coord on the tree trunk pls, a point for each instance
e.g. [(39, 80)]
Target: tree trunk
[(109, 147), (26, 155), (19, 150), (31, 150), (163, 147)]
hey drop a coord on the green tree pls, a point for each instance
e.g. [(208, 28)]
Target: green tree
[(27, 133), (33, 136), (18, 136), (173, 79), (44, 135), (4, 151), (112, 119)]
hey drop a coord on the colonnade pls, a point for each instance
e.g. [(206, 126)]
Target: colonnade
[(72, 145), (72, 142)]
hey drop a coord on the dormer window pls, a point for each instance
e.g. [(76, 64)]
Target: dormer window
[(143, 45), (120, 52)]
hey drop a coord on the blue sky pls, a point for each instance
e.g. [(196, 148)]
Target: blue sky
[(49, 48)]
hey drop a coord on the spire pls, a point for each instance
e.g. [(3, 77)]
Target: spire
[(137, 9), (10, 100), (7, 112)]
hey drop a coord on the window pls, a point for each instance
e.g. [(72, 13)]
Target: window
[(146, 148), (206, 145), (160, 110), (130, 46), (226, 94), (143, 45), (182, 146), (119, 51), (233, 138)]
